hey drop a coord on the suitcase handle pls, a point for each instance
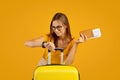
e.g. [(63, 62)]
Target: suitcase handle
[(49, 55), (60, 49)]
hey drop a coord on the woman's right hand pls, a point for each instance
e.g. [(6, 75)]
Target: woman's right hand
[(50, 46)]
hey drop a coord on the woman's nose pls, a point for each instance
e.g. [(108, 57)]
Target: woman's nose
[(56, 30)]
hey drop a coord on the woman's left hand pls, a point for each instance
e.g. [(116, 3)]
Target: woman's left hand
[(81, 39)]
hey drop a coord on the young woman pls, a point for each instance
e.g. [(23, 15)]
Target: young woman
[(59, 37)]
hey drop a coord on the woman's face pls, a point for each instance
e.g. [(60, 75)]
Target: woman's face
[(58, 28)]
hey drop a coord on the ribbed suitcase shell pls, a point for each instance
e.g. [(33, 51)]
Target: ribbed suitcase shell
[(56, 72)]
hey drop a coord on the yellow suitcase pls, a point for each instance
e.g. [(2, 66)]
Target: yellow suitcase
[(56, 72)]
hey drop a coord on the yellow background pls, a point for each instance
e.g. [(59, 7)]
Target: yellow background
[(22, 20)]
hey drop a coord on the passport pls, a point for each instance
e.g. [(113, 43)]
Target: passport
[(91, 33)]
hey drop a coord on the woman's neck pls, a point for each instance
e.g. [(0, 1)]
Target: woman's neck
[(63, 42)]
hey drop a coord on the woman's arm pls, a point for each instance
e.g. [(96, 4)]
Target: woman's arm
[(38, 43), (35, 42), (73, 49)]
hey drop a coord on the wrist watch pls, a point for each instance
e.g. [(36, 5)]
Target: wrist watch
[(43, 46)]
